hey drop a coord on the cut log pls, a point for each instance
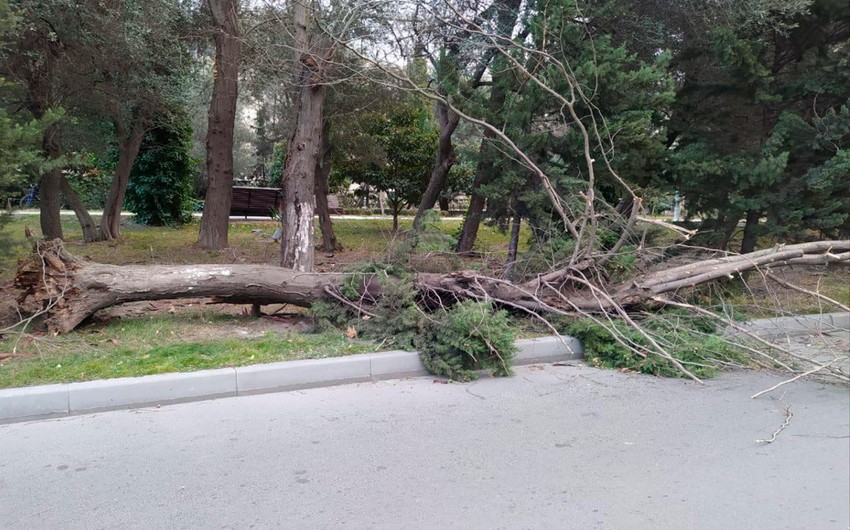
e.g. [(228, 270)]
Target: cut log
[(68, 289)]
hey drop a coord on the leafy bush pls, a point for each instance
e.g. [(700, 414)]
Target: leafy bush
[(90, 181), (470, 336), (160, 188)]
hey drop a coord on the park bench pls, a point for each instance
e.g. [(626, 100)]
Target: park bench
[(255, 201)]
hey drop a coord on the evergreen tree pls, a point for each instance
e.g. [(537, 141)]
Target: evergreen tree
[(160, 188)]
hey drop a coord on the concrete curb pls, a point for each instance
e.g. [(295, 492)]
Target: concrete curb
[(795, 326), (38, 402)]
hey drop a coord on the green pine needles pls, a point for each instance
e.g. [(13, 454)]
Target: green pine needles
[(469, 336), (455, 342)]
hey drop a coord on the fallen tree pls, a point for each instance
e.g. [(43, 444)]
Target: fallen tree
[(67, 289)]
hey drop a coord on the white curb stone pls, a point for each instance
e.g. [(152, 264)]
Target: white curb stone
[(34, 401), (152, 389), (292, 375), (396, 364)]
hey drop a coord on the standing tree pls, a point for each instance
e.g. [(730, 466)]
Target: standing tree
[(312, 51), (222, 116)]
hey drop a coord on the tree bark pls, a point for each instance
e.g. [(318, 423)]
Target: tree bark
[(90, 232), (221, 120), (748, 244), (323, 171), (447, 121), (513, 242), (302, 157), (128, 150), (483, 173), (69, 289), (49, 188)]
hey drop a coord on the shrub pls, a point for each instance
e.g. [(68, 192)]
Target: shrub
[(160, 188)]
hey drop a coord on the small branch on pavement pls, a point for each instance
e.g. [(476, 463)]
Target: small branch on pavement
[(788, 415)]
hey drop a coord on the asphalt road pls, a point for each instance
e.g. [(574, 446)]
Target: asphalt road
[(554, 447)]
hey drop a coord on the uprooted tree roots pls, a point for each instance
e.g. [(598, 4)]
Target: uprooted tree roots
[(67, 289)]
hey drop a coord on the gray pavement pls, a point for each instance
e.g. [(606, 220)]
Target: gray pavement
[(554, 447), (197, 215)]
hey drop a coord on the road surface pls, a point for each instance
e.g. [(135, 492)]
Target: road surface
[(554, 447)]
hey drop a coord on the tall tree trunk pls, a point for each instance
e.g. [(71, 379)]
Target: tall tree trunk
[(475, 211), (302, 157), (483, 170), (49, 188), (447, 121), (513, 242), (221, 120), (727, 226), (90, 232), (323, 171), (128, 150), (748, 244)]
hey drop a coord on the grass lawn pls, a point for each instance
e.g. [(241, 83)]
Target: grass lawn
[(181, 342)]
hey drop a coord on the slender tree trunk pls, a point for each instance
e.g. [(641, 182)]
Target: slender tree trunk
[(475, 211), (483, 171), (748, 244), (447, 121), (302, 157), (727, 226), (49, 188), (323, 171), (221, 120), (128, 150), (90, 232), (513, 241)]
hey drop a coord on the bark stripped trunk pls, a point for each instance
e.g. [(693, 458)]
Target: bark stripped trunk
[(72, 289), (302, 157), (221, 119), (447, 121), (323, 171), (128, 150)]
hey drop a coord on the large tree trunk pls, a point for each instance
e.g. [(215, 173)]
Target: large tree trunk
[(128, 150), (447, 121), (221, 120), (323, 172), (483, 170), (748, 243), (49, 188), (302, 157), (87, 224), (69, 289)]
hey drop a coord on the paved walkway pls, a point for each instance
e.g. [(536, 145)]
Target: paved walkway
[(554, 447), (97, 213)]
